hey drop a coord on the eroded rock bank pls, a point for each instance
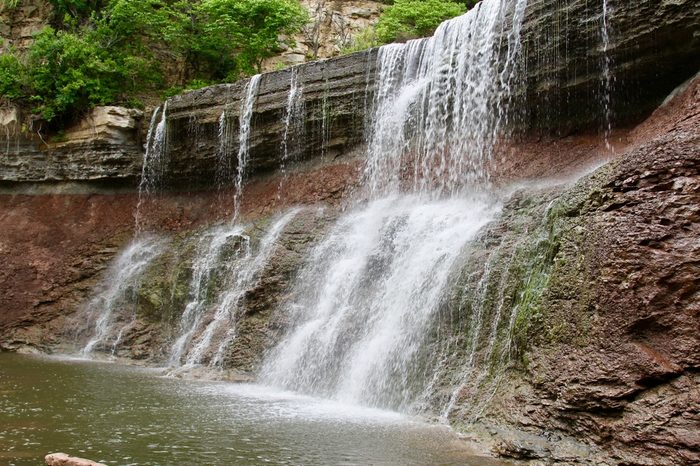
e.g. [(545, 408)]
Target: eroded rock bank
[(56, 246), (607, 320)]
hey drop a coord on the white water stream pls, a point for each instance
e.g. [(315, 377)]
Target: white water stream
[(111, 308), (245, 122), (365, 304)]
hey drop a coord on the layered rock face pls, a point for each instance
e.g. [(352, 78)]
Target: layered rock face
[(19, 23), (652, 48), (331, 119), (103, 147)]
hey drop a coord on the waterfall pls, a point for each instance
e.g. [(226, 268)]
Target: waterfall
[(224, 254), (364, 309), (111, 310), (293, 114), (223, 169), (293, 123), (607, 78), (208, 260), (153, 158), (245, 118), (440, 102), (325, 120), (364, 304), (475, 368), (246, 275)]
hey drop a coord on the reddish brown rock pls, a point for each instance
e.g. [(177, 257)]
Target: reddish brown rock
[(54, 246), (615, 356)]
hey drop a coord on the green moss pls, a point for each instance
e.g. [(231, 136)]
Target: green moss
[(163, 291)]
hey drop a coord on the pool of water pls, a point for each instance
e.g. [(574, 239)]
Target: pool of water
[(128, 415)]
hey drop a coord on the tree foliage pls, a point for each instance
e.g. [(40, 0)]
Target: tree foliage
[(105, 51), (249, 27), (410, 19), (68, 71), (11, 76)]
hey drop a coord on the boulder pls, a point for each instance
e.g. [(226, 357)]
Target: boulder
[(61, 459)]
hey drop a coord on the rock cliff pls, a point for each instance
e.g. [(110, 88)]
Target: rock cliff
[(606, 342), (103, 147), (653, 47)]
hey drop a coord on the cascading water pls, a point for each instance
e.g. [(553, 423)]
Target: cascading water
[(607, 78), (105, 314), (224, 169), (199, 340), (293, 114), (209, 258), (364, 304), (325, 121), (245, 120), (153, 159), (440, 102), (293, 123), (479, 357), (364, 307), (246, 276)]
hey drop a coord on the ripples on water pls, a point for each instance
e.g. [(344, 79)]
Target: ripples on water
[(126, 415)]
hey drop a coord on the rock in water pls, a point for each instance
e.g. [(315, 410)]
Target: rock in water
[(61, 459)]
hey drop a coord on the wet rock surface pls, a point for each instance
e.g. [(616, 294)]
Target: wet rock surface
[(614, 347)]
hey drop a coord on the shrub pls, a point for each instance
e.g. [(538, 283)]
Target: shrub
[(12, 76), (363, 40), (68, 73), (106, 51), (410, 19), (249, 27)]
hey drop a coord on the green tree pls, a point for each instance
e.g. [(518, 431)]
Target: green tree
[(109, 51), (12, 76), (247, 28), (68, 73), (410, 19)]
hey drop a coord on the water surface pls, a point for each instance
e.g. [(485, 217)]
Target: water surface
[(128, 415)]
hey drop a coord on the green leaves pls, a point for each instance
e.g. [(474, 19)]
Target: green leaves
[(12, 76), (108, 51), (248, 29), (69, 72), (410, 19), (65, 73)]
